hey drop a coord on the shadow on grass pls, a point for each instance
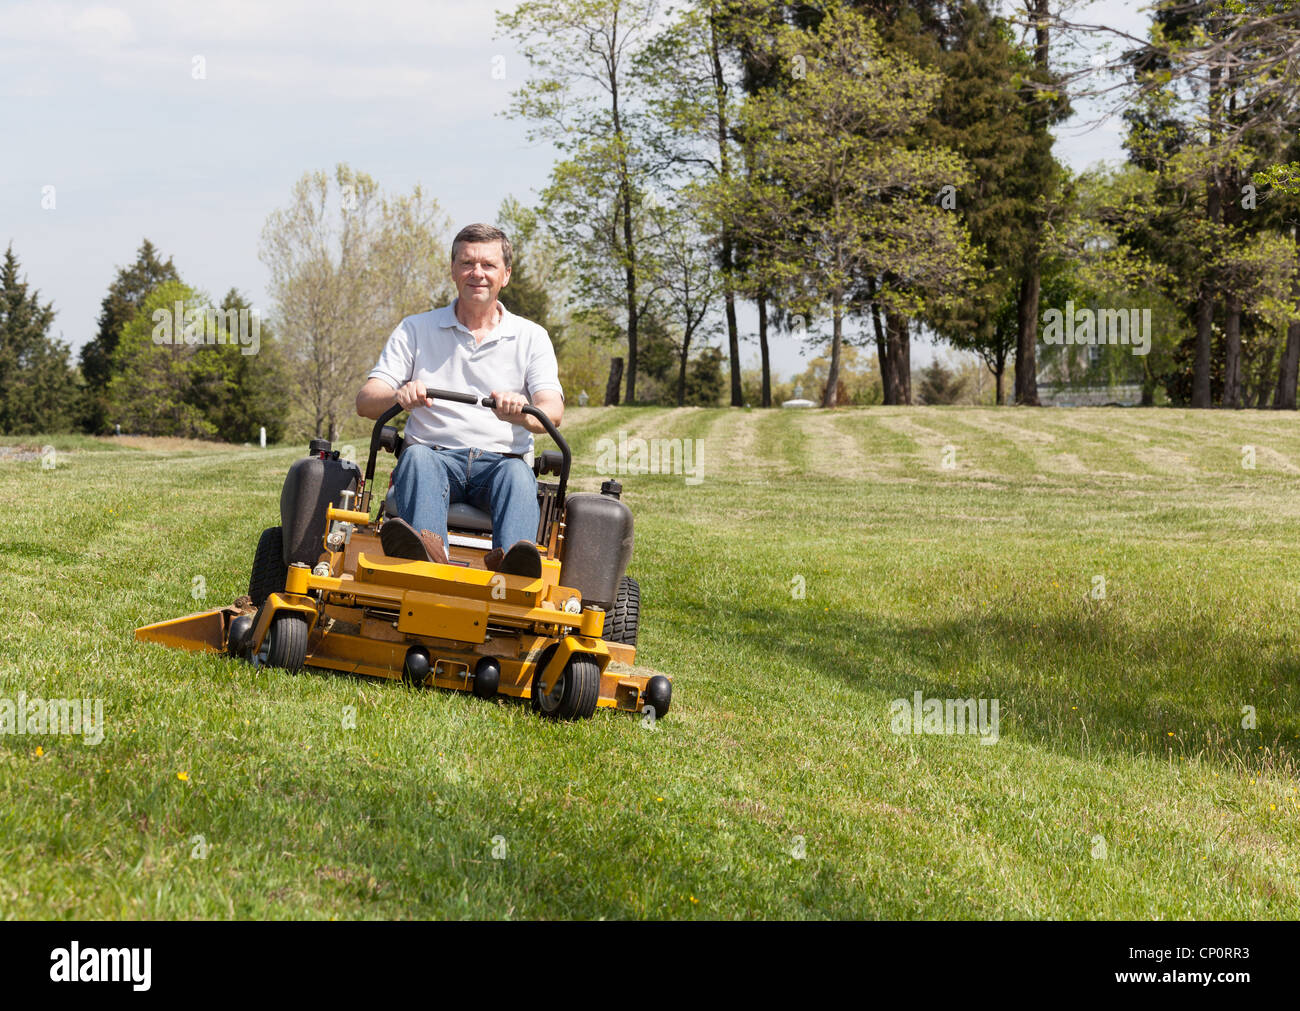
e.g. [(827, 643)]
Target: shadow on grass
[(1076, 684)]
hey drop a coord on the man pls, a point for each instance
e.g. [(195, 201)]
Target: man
[(458, 452)]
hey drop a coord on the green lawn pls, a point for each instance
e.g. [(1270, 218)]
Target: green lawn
[(955, 552)]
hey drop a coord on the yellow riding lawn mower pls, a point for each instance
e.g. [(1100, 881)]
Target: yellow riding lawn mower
[(323, 593)]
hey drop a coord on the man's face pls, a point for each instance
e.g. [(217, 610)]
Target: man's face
[(479, 272)]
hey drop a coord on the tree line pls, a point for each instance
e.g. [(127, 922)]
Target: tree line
[(862, 172), (855, 172), (165, 360)]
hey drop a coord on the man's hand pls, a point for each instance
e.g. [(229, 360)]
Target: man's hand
[(413, 394), (509, 406), (377, 396)]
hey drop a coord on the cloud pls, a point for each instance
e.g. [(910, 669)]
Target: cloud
[(65, 26), (394, 50)]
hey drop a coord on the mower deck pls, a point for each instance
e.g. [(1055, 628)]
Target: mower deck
[(364, 624)]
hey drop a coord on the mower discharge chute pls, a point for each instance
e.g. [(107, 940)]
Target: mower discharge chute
[(323, 593)]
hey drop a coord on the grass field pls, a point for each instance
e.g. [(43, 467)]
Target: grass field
[(1117, 580)]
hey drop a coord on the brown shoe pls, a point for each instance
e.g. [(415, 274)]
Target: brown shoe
[(523, 559), (400, 540), (433, 546)]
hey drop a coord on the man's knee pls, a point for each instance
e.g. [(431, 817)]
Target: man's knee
[(516, 478)]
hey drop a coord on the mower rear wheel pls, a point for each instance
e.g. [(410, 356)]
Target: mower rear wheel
[(269, 570), (575, 692), (287, 642), (622, 619)]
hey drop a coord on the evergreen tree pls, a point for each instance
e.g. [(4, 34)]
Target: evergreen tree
[(705, 382), (940, 385), (980, 115), (37, 391), (236, 392), (126, 294), (151, 391)]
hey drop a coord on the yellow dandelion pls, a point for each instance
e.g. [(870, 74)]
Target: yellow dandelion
[(184, 777), (39, 751), (695, 900)]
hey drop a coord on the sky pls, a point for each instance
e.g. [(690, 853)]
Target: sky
[(188, 123)]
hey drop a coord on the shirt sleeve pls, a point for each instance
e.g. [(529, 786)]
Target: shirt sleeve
[(542, 371), (397, 360)]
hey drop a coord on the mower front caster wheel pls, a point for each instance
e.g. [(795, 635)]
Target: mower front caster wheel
[(575, 692), (287, 642), (239, 635)]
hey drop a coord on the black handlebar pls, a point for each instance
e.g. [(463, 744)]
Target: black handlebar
[(470, 398)]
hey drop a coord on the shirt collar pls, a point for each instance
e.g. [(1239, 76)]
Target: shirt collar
[(508, 327)]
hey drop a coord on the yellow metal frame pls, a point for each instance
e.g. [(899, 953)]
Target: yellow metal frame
[(457, 612)]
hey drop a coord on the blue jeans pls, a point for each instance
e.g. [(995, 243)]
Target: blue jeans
[(428, 480)]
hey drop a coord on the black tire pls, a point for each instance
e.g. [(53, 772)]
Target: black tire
[(575, 695), (287, 641), (622, 619), (239, 635), (269, 570)]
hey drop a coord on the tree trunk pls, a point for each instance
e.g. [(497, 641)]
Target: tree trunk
[(631, 304), (898, 355), (1262, 390), (762, 347), (615, 380), (882, 356), (903, 359), (681, 374), (733, 335), (1286, 380), (837, 329), (629, 247), (1031, 270), (1027, 334), (1148, 384), (1201, 396), (1232, 352), (999, 373), (1286, 385), (724, 173), (1204, 327)]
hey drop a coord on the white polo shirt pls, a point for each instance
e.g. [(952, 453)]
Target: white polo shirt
[(439, 350)]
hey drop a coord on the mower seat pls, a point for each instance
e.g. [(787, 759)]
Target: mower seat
[(460, 516), (463, 516)]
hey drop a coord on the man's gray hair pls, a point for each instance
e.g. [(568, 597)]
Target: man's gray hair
[(483, 233)]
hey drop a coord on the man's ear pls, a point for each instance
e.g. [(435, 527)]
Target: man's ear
[(507, 277)]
